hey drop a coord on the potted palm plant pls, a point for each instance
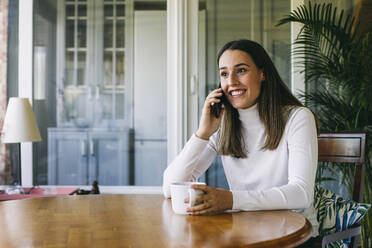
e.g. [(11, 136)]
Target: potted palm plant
[(337, 63)]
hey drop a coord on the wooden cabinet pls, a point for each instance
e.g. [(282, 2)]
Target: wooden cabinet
[(80, 156)]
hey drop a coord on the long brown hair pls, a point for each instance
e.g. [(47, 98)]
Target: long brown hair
[(274, 104)]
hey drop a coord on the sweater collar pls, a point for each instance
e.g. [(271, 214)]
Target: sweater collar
[(249, 116)]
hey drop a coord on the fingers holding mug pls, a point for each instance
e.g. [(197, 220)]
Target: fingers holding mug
[(214, 200)]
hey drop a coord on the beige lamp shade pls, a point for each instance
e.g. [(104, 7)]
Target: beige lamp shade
[(19, 122)]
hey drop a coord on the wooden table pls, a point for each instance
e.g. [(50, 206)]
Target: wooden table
[(140, 221)]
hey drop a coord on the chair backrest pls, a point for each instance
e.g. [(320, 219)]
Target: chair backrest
[(345, 148)]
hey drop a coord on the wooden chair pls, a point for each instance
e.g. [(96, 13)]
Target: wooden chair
[(345, 148)]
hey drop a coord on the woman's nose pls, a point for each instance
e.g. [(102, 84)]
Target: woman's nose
[(232, 79)]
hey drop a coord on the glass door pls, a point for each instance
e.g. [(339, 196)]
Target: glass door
[(95, 124), (110, 88), (222, 21), (92, 85), (75, 91)]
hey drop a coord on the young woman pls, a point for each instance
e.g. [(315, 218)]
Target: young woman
[(266, 138)]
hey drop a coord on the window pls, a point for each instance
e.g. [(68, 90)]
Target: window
[(223, 21), (99, 92), (100, 81)]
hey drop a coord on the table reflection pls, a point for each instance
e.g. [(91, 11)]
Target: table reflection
[(226, 229)]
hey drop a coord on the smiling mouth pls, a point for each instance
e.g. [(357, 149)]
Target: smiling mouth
[(237, 93)]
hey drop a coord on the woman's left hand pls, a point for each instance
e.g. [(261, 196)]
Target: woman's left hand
[(213, 200)]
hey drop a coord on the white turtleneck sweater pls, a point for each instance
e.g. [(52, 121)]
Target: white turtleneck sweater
[(267, 179)]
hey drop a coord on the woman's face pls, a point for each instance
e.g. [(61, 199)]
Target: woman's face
[(240, 78)]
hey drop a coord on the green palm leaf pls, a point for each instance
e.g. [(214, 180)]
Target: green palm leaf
[(330, 50)]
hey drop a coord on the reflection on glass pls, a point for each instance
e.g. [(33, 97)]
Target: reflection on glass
[(107, 34), (82, 10), (69, 33), (119, 106), (107, 106), (70, 10), (81, 105), (107, 69), (120, 58), (120, 34), (81, 68), (69, 73), (74, 105), (120, 10), (108, 10), (82, 33)]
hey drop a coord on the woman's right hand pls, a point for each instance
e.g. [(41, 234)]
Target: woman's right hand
[(208, 122)]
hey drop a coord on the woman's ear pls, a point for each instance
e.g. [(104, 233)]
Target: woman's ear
[(262, 76)]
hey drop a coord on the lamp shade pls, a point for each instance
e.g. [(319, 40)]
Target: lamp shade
[(19, 122)]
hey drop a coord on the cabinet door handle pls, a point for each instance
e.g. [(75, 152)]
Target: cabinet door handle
[(91, 147), (83, 148)]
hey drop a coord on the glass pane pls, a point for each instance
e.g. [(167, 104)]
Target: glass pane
[(107, 69), (254, 20), (81, 70), (120, 34), (9, 153), (70, 10), (82, 33), (108, 10), (107, 34), (82, 10), (81, 106), (69, 73), (119, 106), (82, 102), (70, 33), (107, 106), (74, 104), (120, 10), (120, 64)]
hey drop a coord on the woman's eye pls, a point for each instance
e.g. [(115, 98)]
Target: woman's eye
[(242, 70), (223, 74)]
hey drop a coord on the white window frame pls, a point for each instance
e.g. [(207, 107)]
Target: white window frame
[(181, 57), (25, 75), (297, 78)]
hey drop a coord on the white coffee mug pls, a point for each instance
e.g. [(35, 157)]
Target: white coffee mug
[(179, 192)]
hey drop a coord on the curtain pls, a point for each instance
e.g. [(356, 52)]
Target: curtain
[(4, 151)]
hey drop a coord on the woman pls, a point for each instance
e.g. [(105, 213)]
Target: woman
[(266, 138)]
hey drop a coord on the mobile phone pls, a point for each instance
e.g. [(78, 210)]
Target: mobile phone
[(216, 108)]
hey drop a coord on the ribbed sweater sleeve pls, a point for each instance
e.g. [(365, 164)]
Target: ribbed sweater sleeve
[(190, 163)]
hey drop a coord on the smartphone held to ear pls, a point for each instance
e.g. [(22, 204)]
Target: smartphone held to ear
[(216, 107)]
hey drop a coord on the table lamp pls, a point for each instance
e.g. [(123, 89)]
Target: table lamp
[(19, 125)]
